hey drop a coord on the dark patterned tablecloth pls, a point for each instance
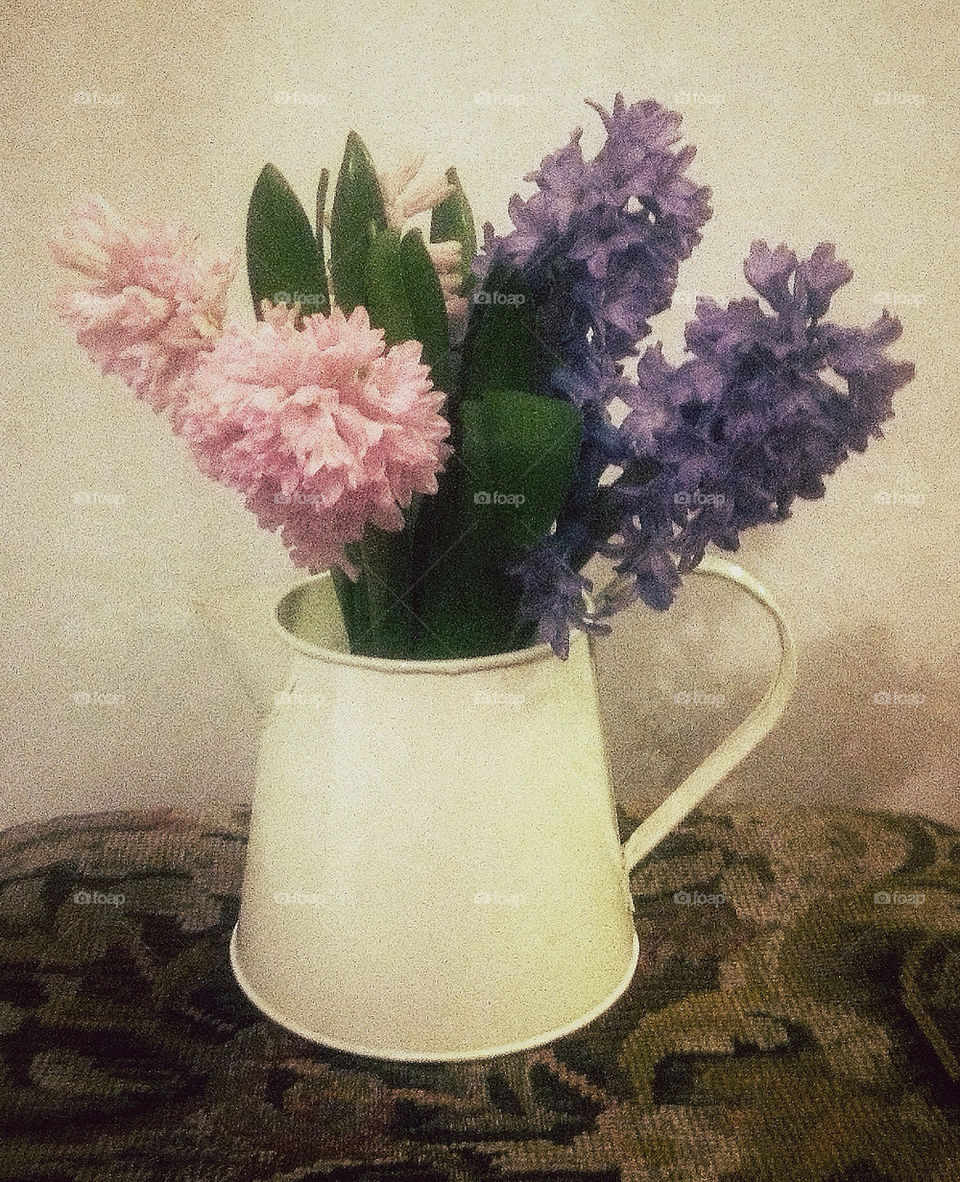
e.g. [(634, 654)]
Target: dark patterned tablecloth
[(798, 1018)]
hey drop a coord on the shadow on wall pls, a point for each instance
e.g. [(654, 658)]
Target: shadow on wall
[(862, 729)]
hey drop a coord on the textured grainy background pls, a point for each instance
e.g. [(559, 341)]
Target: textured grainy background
[(812, 123)]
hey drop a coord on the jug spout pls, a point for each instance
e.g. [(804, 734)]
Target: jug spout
[(238, 620)]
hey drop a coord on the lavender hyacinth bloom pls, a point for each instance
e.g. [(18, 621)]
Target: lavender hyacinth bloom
[(599, 244), (765, 405)]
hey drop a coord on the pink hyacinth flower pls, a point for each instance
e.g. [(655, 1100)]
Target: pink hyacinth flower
[(323, 429), (152, 302), (403, 200)]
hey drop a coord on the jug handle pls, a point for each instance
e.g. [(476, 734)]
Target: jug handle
[(740, 742)]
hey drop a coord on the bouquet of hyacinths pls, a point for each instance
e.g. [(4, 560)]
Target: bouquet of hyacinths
[(455, 434)]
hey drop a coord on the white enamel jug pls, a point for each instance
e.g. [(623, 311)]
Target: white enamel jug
[(434, 870)]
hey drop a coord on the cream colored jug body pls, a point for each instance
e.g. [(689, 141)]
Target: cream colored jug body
[(434, 869)]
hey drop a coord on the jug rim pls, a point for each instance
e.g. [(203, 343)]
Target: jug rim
[(445, 666)]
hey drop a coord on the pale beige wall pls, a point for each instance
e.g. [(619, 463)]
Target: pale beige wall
[(814, 121)]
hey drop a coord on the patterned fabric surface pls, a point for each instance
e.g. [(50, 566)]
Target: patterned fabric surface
[(797, 1019)]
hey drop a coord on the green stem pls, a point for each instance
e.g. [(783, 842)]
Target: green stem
[(351, 598), (386, 572)]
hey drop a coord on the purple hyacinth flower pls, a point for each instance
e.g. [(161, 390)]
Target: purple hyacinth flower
[(769, 399)]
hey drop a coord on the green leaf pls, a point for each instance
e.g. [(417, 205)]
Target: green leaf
[(283, 263), (428, 312), (385, 557), (500, 346), (506, 486), (321, 207), (475, 616), (356, 217), (452, 221), (352, 597), (386, 294), (519, 454), (386, 577)]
